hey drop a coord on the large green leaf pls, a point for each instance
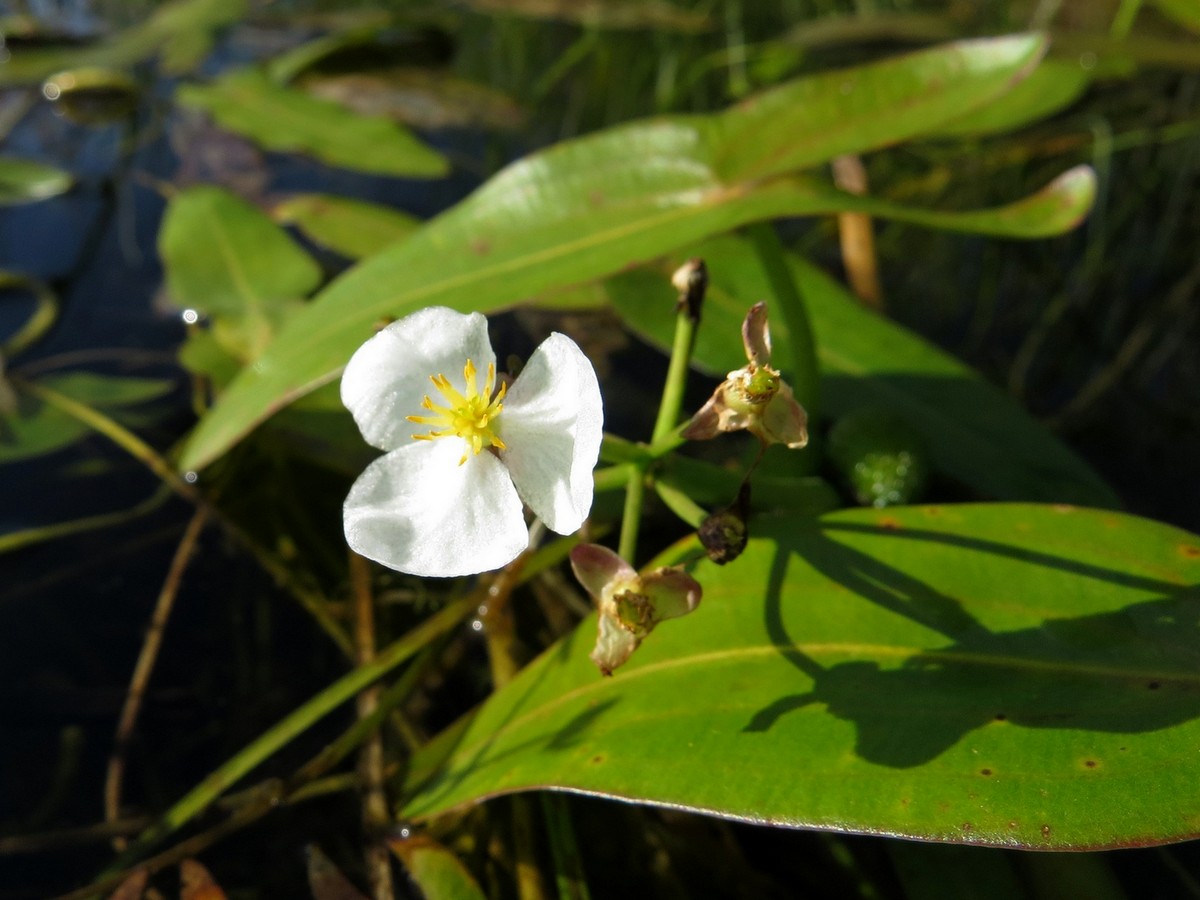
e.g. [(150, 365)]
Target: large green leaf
[(976, 434), (282, 118), (1014, 675), (588, 207), (181, 32)]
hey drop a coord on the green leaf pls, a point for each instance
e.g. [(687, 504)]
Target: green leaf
[(288, 120), (37, 428), (586, 208), (1052, 87), (435, 870), (225, 258), (24, 181), (991, 674), (1185, 12), (181, 31), (353, 228), (976, 434)]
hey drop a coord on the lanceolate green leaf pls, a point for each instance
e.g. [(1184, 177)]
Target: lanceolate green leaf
[(993, 674), (287, 119), (586, 208), (976, 434)]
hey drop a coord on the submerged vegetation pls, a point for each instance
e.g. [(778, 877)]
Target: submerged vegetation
[(891, 313)]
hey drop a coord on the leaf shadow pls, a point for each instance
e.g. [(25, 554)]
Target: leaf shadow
[(1136, 669)]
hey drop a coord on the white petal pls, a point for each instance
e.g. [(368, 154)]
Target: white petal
[(388, 376), (417, 510), (551, 424)]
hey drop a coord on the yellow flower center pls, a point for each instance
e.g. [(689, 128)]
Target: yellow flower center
[(468, 416)]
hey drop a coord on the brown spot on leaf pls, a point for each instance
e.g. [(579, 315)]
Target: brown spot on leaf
[(1154, 685), (889, 523), (1090, 763), (967, 826), (596, 198), (1063, 508), (1013, 825), (1190, 551), (985, 772), (597, 759), (1046, 832), (933, 511), (481, 246)]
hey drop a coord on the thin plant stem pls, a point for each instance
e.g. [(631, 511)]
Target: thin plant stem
[(41, 842), (370, 760), (264, 802), (529, 876), (672, 395), (354, 736), (631, 518), (119, 435), (45, 311), (145, 667), (1123, 20), (564, 848), (143, 452), (14, 540), (299, 720)]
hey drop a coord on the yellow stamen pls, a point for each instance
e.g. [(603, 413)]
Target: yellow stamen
[(466, 416)]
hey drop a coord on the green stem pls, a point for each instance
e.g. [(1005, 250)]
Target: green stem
[(672, 395), (801, 347), (202, 795), (118, 434), (1123, 20), (14, 540), (631, 518), (45, 311), (148, 456), (569, 876), (681, 504)]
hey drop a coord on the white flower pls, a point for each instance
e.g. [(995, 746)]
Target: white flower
[(446, 499)]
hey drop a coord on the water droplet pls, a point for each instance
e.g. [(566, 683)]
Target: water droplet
[(190, 317), (51, 91), (191, 477), (476, 625), (1087, 60)]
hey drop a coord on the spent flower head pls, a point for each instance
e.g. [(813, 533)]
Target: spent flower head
[(754, 398), (465, 449), (629, 604)]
